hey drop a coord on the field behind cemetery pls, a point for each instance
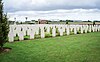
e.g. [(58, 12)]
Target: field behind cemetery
[(72, 48), (73, 22)]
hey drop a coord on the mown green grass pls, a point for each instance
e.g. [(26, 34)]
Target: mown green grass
[(72, 48)]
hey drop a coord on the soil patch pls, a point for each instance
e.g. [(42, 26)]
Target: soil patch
[(5, 49)]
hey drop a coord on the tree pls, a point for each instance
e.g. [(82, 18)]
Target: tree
[(67, 21), (93, 23), (61, 20), (26, 18), (89, 21), (4, 27)]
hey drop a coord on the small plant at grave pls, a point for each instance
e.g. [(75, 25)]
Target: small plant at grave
[(87, 31), (64, 33), (47, 34), (71, 33), (26, 37), (37, 36), (16, 38), (78, 32), (57, 32), (83, 31)]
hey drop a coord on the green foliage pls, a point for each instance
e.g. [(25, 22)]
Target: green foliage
[(69, 20), (58, 34), (78, 32), (26, 18), (4, 27), (72, 33), (16, 38), (61, 20), (89, 21), (66, 22), (57, 30), (47, 34), (93, 22), (26, 37), (37, 36)]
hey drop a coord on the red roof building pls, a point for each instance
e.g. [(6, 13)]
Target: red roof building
[(40, 21)]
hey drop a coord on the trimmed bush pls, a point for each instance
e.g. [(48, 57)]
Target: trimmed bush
[(4, 27)]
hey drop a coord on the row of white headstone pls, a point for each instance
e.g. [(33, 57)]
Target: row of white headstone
[(31, 30)]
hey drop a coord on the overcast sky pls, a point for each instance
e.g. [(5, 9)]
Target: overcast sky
[(52, 9)]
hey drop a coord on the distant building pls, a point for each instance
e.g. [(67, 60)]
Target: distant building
[(40, 21)]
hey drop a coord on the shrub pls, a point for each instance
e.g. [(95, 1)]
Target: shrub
[(47, 34), (4, 27), (78, 32)]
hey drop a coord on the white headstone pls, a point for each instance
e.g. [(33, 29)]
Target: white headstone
[(42, 32), (75, 30), (89, 28), (11, 35), (81, 29), (53, 31), (68, 30)]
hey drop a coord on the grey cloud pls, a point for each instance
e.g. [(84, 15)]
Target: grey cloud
[(46, 5)]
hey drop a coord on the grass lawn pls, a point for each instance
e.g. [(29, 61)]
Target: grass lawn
[(72, 48)]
